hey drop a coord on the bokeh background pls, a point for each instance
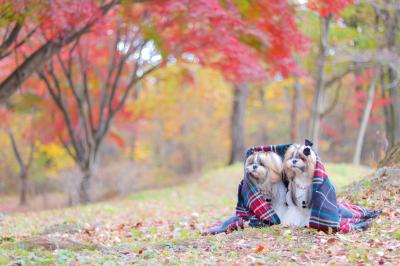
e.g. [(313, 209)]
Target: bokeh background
[(145, 94)]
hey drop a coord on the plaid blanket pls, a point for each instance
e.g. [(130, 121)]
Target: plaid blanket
[(326, 214)]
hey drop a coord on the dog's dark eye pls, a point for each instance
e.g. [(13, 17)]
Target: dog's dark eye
[(261, 164)]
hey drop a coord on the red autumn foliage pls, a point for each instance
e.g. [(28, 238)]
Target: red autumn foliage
[(326, 7), (358, 101), (239, 45), (330, 131), (40, 21), (244, 46), (60, 16)]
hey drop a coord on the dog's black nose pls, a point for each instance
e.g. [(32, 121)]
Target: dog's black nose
[(254, 167), (294, 161)]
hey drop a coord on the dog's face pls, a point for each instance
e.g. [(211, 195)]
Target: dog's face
[(299, 160), (264, 165)]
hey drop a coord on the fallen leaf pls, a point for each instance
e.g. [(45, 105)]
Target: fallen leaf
[(259, 249), (331, 240)]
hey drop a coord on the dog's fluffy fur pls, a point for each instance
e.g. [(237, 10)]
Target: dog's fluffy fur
[(299, 165), (265, 169)]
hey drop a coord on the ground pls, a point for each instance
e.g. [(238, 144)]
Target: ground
[(163, 227)]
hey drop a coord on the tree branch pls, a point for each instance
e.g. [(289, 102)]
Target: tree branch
[(70, 153), (11, 37), (86, 91), (19, 44), (16, 151), (105, 87), (332, 106), (78, 98), (67, 119), (44, 53), (338, 77)]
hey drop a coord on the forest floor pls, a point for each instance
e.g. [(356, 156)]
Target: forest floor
[(163, 226)]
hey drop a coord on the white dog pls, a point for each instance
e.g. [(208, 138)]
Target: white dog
[(299, 165), (265, 169)]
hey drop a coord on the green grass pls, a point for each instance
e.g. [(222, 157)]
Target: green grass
[(344, 174), (164, 225)]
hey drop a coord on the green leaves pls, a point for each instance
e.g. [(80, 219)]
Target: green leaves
[(151, 33), (26, 104), (243, 6)]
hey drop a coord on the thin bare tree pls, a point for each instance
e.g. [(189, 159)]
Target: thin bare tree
[(388, 13), (320, 79), (24, 165), (365, 117)]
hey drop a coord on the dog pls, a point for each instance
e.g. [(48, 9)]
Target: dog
[(298, 166), (265, 170)]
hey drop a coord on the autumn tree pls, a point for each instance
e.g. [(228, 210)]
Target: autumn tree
[(22, 143), (387, 16), (327, 11), (250, 41), (222, 37), (365, 116), (374, 18), (89, 82), (90, 79), (283, 41), (25, 21)]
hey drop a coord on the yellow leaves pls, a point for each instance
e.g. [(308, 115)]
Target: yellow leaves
[(51, 149), (56, 154), (277, 88), (142, 151), (184, 93)]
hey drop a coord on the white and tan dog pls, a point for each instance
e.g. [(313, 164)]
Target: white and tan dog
[(265, 169), (299, 165)]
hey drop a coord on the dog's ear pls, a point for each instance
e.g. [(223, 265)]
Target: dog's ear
[(307, 151), (308, 143)]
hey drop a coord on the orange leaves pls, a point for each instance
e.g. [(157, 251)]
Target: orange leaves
[(3, 116), (118, 139), (260, 249)]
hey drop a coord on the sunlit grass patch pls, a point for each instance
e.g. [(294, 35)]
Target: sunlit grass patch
[(342, 174)]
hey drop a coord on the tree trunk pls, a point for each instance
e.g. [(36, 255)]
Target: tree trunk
[(365, 118), (391, 23), (394, 95), (392, 158), (319, 87), (23, 167), (294, 116), (24, 189), (84, 188), (237, 123), (387, 112)]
